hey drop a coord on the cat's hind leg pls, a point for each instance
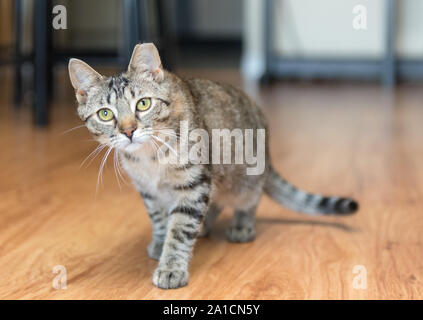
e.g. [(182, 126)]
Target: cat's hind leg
[(243, 227), (209, 220)]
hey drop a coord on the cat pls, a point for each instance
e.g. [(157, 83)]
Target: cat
[(134, 111)]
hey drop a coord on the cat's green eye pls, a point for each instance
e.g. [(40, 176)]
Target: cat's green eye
[(105, 114), (143, 104)]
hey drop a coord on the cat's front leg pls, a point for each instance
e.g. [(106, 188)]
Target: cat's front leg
[(158, 217), (184, 224)]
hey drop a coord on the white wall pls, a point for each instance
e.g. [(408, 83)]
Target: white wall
[(409, 36), (323, 28)]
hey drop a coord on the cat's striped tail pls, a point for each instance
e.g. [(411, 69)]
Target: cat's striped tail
[(289, 196)]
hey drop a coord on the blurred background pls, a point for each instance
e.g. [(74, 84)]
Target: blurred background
[(257, 41)]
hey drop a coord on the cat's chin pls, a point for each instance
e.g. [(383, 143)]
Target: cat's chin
[(132, 147)]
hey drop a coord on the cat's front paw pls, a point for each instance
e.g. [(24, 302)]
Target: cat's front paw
[(170, 279), (155, 249)]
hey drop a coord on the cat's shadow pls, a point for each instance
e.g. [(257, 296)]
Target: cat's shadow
[(218, 231), (129, 260), (319, 223)]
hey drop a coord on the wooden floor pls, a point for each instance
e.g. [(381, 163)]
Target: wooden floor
[(344, 139)]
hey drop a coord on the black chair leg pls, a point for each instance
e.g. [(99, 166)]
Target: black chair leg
[(166, 41), (41, 61), (142, 19), (130, 29), (50, 51), (136, 29), (17, 95)]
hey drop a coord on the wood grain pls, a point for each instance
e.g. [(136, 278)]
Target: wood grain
[(338, 139)]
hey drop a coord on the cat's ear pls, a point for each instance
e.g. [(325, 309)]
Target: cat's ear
[(145, 57), (82, 77)]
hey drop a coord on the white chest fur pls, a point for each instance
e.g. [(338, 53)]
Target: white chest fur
[(149, 176), (145, 173)]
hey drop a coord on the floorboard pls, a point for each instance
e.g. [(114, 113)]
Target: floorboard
[(345, 139)]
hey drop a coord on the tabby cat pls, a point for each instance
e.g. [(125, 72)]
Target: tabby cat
[(135, 111)]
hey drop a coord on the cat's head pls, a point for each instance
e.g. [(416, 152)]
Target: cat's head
[(125, 110)]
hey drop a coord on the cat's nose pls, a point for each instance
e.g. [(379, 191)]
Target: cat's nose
[(129, 132)]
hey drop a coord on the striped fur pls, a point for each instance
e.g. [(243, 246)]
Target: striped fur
[(183, 200), (298, 200)]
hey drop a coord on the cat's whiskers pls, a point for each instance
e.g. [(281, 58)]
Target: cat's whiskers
[(114, 167), (114, 146), (74, 128), (118, 167), (158, 149), (93, 155), (171, 137), (116, 163), (168, 132), (154, 145), (165, 143), (103, 163)]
